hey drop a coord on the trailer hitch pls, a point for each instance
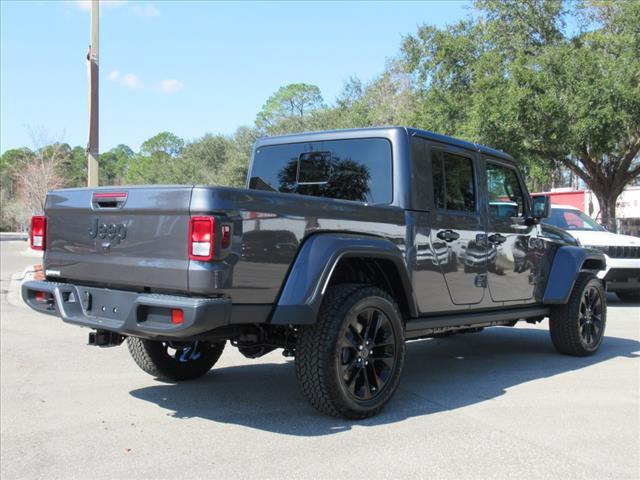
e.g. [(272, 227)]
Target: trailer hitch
[(105, 338)]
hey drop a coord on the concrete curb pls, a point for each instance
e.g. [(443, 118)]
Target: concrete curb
[(12, 236)]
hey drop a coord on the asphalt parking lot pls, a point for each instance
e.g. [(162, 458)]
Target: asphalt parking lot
[(498, 404)]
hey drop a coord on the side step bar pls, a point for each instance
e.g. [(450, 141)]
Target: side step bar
[(425, 326)]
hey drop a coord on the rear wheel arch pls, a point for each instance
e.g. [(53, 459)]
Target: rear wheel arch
[(329, 259), (379, 272)]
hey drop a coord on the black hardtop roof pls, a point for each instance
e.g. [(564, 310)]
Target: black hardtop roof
[(369, 131)]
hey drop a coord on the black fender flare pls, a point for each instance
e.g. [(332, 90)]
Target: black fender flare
[(309, 276), (568, 262)]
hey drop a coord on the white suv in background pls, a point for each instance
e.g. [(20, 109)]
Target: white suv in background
[(622, 274)]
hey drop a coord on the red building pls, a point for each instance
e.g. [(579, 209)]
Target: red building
[(575, 198)]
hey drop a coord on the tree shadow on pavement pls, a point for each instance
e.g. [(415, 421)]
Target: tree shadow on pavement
[(440, 374)]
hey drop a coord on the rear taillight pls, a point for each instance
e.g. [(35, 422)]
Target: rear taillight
[(201, 238), (38, 235)]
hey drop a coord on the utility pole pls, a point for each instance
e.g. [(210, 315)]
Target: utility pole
[(92, 59)]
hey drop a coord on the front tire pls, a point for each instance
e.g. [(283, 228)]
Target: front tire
[(628, 297), (174, 361), (349, 362), (577, 328)]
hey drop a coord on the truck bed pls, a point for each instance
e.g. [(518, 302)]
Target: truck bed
[(140, 241)]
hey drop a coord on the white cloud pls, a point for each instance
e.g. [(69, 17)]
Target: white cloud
[(129, 80), (86, 4), (145, 10), (170, 85)]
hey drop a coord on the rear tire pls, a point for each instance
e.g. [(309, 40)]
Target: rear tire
[(174, 361), (349, 362), (577, 328), (628, 297)]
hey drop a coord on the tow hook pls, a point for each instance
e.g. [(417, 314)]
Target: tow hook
[(105, 338)]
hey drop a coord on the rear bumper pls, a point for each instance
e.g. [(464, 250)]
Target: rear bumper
[(128, 313)]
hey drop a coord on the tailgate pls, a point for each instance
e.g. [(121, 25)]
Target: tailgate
[(133, 237)]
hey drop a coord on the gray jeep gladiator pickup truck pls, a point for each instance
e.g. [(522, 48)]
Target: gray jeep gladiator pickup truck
[(342, 246)]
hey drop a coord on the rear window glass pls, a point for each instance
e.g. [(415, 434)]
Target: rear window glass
[(453, 186), (358, 169)]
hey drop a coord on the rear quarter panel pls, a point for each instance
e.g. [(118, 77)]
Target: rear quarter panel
[(268, 230)]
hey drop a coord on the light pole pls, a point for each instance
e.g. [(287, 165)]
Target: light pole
[(92, 59)]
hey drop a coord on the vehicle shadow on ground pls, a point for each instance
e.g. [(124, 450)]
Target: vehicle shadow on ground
[(440, 374)]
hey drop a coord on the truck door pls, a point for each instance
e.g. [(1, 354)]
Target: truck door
[(458, 234), (511, 260)]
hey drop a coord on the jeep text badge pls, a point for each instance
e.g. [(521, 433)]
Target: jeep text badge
[(111, 231)]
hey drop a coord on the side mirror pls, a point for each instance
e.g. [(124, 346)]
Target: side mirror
[(541, 205)]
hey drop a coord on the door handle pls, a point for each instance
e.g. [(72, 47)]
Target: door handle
[(497, 238), (448, 235)]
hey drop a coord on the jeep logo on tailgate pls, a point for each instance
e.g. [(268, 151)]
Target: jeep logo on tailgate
[(112, 231)]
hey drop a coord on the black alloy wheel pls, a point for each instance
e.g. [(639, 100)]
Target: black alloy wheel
[(577, 327), (591, 316), (350, 361), (367, 353)]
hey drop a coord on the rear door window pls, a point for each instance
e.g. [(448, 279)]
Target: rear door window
[(353, 169), (453, 182)]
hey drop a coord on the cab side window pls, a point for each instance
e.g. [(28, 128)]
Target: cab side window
[(453, 185), (506, 199)]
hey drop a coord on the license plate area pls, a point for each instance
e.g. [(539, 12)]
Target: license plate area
[(102, 304)]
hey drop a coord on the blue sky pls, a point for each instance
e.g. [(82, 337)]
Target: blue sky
[(187, 67)]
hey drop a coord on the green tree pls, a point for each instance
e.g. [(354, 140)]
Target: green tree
[(591, 83), (289, 107), (234, 172), (154, 163), (73, 165), (114, 164), (202, 160), (164, 146), (511, 77), (11, 163)]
